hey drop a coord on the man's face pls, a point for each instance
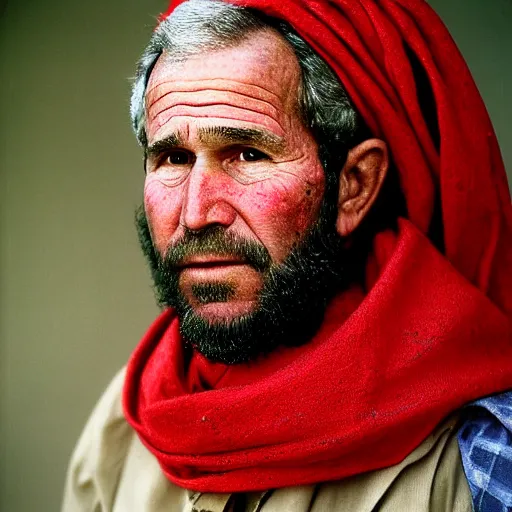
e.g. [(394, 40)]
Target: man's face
[(227, 150)]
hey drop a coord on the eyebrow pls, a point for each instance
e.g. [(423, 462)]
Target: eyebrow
[(222, 135), (161, 146), (261, 138)]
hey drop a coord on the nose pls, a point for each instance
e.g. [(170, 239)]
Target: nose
[(206, 197)]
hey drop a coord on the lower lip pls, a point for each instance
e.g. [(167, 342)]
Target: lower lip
[(213, 270)]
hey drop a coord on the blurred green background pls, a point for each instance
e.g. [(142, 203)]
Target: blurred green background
[(75, 293)]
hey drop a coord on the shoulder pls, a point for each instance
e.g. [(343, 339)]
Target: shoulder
[(98, 458), (430, 479), (485, 441)]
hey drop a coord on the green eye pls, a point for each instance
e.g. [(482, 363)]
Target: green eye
[(252, 155), (178, 158)]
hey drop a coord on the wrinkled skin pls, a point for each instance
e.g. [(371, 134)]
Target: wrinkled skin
[(227, 147)]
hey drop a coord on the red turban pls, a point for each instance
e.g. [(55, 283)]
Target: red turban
[(365, 42), (433, 333)]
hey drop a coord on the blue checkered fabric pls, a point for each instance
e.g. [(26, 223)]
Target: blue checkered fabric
[(485, 441)]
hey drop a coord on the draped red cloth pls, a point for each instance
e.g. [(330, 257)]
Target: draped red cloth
[(431, 333)]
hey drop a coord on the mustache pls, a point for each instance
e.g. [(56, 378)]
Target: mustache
[(215, 240)]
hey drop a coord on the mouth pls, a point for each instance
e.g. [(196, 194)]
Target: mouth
[(201, 275)]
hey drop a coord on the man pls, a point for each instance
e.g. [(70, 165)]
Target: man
[(329, 228)]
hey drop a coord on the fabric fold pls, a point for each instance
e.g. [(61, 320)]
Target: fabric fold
[(387, 375)]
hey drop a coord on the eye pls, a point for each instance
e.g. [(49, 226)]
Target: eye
[(178, 157), (252, 155)]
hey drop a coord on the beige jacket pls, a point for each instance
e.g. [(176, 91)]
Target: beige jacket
[(112, 471)]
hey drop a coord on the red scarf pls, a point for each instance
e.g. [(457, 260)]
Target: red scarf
[(432, 333)]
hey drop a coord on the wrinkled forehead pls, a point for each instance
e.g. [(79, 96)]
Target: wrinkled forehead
[(263, 60)]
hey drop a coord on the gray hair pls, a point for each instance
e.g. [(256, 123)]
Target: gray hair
[(197, 26)]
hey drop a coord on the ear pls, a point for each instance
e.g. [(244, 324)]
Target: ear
[(360, 182)]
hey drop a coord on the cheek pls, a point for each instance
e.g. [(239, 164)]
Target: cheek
[(283, 213), (307, 207), (298, 193), (162, 206)]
